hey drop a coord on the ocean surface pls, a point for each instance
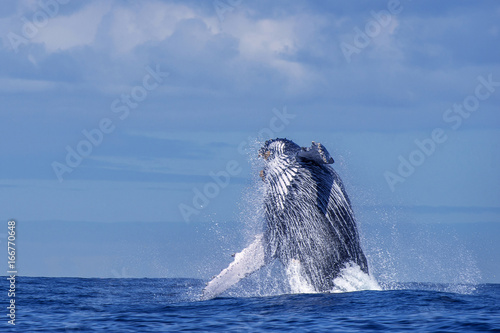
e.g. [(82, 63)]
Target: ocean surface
[(173, 305)]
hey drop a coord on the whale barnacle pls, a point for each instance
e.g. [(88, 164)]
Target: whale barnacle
[(265, 154)]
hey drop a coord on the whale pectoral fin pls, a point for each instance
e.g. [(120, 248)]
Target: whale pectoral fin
[(245, 262), (317, 152)]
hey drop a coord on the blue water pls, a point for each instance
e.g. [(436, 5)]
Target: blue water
[(171, 305)]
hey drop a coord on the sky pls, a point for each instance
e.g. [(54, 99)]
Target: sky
[(130, 130)]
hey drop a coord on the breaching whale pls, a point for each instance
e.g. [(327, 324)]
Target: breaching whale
[(309, 222)]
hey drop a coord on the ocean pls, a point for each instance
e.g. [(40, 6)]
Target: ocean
[(173, 305)]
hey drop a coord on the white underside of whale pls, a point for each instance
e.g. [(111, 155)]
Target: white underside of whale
[(245, 263)]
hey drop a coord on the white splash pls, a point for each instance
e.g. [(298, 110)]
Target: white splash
[(352, 278), (298, 283)]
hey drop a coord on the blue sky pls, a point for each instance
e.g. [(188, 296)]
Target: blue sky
[(174, 91)]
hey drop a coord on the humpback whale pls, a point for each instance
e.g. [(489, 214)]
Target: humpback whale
[(309, 222)]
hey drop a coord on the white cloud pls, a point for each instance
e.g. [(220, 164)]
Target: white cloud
[(267, 40), (78, 29), (135, 25), (386, 44), (275, 43)]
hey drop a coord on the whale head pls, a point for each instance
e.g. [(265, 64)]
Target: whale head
[(278, 149), (278, 154), (283, 152)]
